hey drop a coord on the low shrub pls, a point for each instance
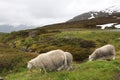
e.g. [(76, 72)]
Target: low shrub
[(46, 49), (87, 44), (79, 54), (103, 42), (66, 41), (13, 62)]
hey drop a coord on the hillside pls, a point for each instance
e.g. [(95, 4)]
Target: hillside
[(83, 24), (68, 40), (17, 48)]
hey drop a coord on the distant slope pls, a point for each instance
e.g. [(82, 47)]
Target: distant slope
[(88, 24), (89, 15), (9, 28), (111, 11), (91, 19)]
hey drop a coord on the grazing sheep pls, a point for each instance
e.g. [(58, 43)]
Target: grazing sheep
[(50, 61), (105, 52)]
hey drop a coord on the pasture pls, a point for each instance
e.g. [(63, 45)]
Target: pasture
[(80, 43)]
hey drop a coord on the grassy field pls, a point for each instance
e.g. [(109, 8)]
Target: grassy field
[(95, 70), (80, 43)]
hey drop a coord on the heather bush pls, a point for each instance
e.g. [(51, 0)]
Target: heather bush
[(67, 41), (44, 49), (13, 62), (87, 44), (79, 54)]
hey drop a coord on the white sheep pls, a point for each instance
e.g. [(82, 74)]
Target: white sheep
[(50, 61), (105, 52)]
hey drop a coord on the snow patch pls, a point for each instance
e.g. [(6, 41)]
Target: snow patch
[(106, 25), (96, 13), (92, 16), (117, 26)]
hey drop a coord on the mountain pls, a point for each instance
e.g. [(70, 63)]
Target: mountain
[(89, 15), (6, 28), (9, 28), (111, 11), (108, 17), (22, 27)]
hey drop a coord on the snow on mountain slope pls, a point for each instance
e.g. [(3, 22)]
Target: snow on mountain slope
[(106, 25), (98, 13), (116, 25), (92, 16)]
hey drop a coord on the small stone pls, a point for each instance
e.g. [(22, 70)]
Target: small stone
[(1, 78)]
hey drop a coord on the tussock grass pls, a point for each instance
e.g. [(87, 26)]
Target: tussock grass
[(95, 70)]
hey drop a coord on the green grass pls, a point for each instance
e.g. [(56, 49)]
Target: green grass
[(95, 70), (99, 36), (68, 40), (90, 34)]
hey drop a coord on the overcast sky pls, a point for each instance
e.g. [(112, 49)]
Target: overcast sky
[(42, 12)]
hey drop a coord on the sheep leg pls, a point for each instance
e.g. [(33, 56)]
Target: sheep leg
[(40, 71), (69, 68), (60, 68), (113, 58), (43, 68)]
